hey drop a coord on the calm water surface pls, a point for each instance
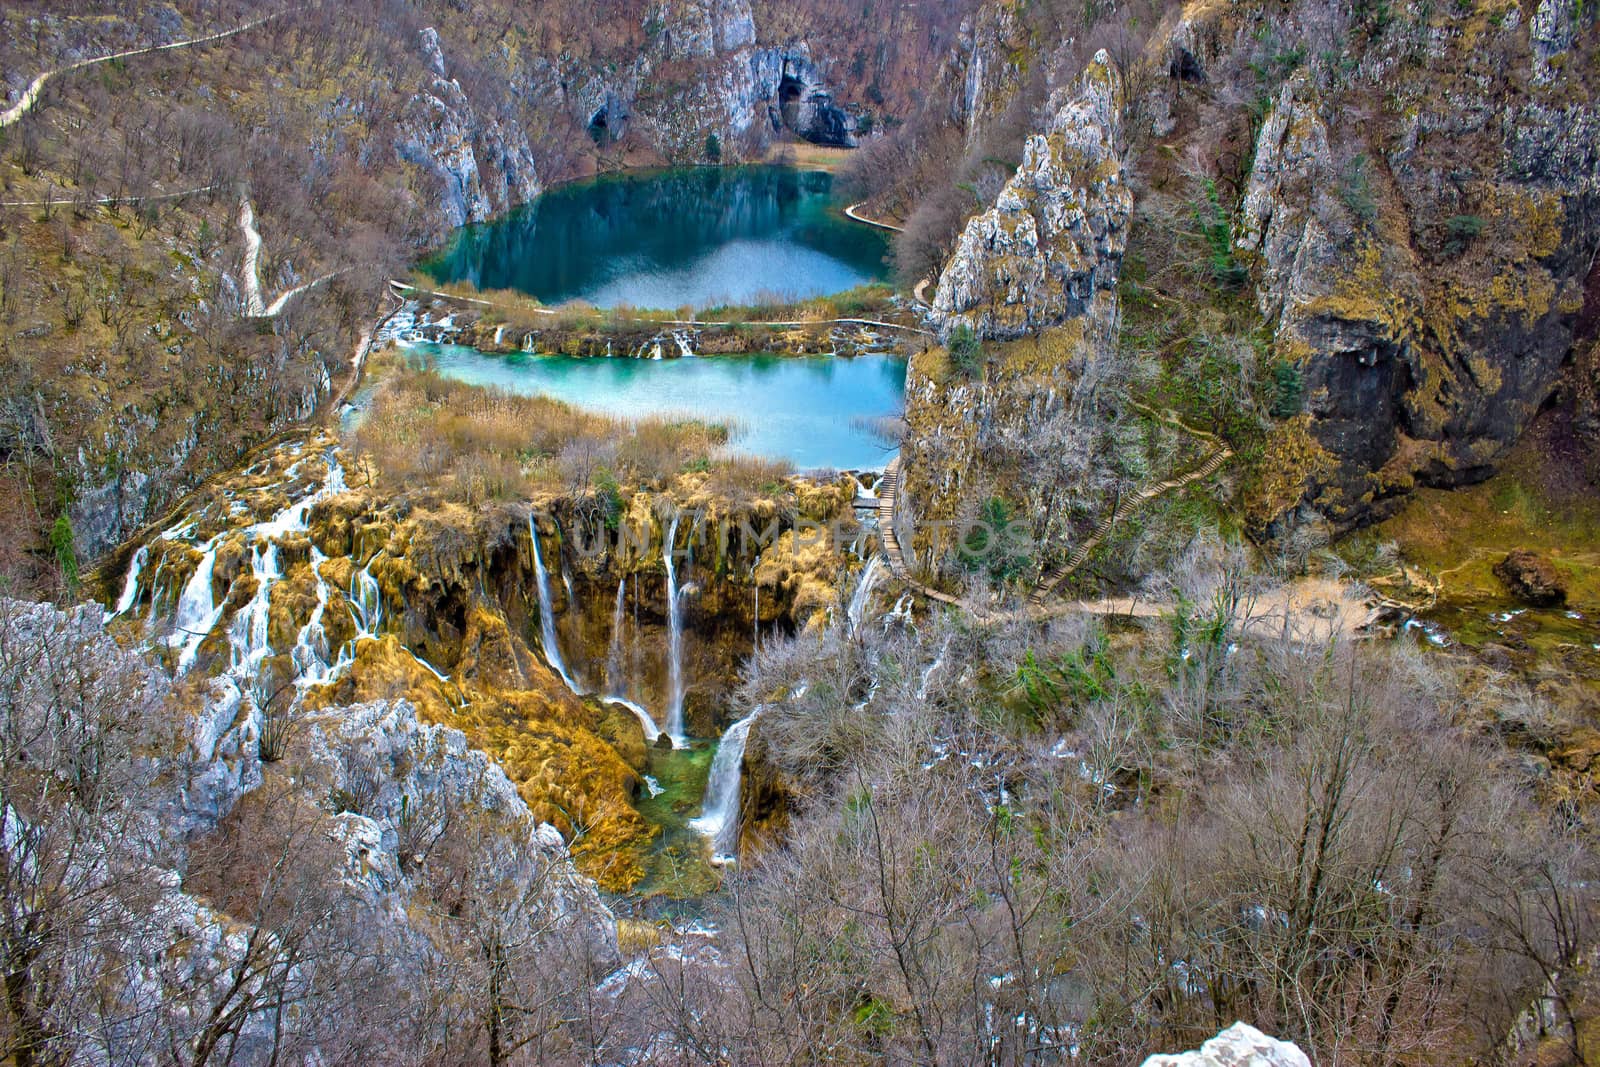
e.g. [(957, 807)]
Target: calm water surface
[(805, 409), (697, 237)]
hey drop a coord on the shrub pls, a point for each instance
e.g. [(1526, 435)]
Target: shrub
[(1217, 229), (1460, 231), (713, 148), (1290, 395), (1355, 189), (966, 352)]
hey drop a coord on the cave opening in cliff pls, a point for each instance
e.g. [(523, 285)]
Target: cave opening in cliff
[(790, 90), (600, 131)]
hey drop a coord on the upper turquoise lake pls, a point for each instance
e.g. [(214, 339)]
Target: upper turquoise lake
[(696, 237)]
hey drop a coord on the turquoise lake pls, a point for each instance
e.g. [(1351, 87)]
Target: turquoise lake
[(805, 409), (695, 237)]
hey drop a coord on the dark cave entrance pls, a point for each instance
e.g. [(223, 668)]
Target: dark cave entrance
[(790, 90)]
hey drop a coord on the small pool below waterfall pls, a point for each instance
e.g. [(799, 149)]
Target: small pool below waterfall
[(690, 237), (813, 411)]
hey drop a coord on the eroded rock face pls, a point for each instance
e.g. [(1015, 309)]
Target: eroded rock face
[(1050, 250), (1240, 1045), (483, 165), (1424, 269)]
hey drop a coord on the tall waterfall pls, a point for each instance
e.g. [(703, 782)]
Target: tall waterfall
[(719, 814), (614, 672), (674, 637), (198, 610), (870, 576), (547, 615), (616, 682), (130, 588)]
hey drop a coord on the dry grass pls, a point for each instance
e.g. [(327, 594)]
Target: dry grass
[(475, 445)]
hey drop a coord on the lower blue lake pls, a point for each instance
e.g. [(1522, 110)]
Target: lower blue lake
[(814, 411)]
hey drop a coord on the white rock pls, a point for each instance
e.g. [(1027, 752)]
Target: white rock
[(1240, 1045)]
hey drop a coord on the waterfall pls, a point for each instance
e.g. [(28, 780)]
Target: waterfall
[(652, 732), (197, 608), (248, 642), (130, 588), (310, 652), (614, 679), (499, 332), (197, 612), (547, 615), (674, 637), (366, 601), (719, 814), (864, 586), (617, 690)]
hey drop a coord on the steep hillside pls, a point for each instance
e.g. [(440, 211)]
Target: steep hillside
[(195, 235), (1356, 245)]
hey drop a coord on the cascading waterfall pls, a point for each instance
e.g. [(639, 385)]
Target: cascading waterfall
[(197, 608), (547, 615), (366, 601), (674, 637), (248, 642), (719, 814), (870, 576), (130, 588), (310, 652), (197, 612)]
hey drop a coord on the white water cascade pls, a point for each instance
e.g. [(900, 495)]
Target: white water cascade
[(719, 814), (870, 576), (547, 615), (198, 610), (614, 679), (248, 643), (366, 601), (674, 637), (130, 588)]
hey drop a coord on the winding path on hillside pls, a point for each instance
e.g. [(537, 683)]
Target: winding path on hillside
[(110, 201), (854, 212), (30, 96), (254, 306)]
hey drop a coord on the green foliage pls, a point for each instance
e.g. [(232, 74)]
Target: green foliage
[(713, 148), (874, 1017), (988, 545), (1200, 635), (1355, 189), (1290, 397), (64, 544), (1074, 679), (1217, 228), (1460, 231), (610, 494), (966, 352)]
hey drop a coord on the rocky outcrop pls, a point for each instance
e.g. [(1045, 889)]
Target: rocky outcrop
[(1240, 1045), (1532, 578), (1050, 249), (1424, 270), (482, 165)]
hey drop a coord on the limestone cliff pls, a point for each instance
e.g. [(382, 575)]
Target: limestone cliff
[(1050, 249), (1425, 267), (1409, 210)]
